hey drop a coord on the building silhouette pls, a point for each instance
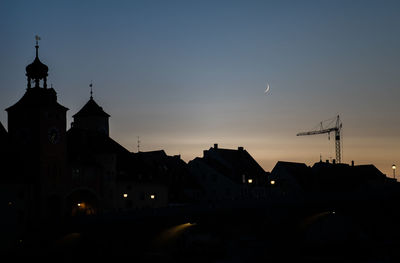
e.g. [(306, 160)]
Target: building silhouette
[(92, 118), (51, 172), (229, 174), (327, 183), (37, 144)]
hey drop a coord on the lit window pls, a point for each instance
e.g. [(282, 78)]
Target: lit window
[(152, 197), (272, 181), (125, 195), (250, 181)]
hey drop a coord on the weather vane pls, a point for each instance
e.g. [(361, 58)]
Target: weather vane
[(37, 38)]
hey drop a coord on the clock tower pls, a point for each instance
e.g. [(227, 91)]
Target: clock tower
[(37, 129)]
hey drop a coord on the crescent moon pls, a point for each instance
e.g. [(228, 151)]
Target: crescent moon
[(267, 89)]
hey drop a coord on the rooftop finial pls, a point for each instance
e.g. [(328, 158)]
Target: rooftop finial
[(37, 38), (91, 90)]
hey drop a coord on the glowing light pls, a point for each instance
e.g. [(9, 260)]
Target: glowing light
[(125, 195), (272, 182), (79, 204), (171, 234), (333, 212), (250, 181), (152, 196), (10, 203), (394, 170)]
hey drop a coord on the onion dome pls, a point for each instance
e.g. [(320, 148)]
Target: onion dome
[(37, 70)]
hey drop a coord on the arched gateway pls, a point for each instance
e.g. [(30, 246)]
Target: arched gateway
[(82, 201)]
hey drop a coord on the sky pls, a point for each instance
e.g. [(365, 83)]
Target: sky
[(183, 75)]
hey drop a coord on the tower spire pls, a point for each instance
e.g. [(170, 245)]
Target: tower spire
[(37, 38), (91, 90), (37, 71)]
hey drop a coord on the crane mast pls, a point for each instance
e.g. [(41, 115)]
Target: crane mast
[(336, 129)]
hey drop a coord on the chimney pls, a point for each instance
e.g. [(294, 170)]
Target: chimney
[(215, 145), (352, 163), (333, 161), (240, 148), (327, 161)]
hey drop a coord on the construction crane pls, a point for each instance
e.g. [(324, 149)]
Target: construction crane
[(328, 129)]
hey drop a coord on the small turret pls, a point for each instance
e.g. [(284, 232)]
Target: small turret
[(37, 70), (92, 117)]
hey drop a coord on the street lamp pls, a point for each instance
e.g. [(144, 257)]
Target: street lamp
[(394, 170)]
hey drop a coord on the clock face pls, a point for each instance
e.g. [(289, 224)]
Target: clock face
[(54, 135)]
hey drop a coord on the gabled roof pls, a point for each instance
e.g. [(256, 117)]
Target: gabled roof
[(299, 171), (37, 98), (157, 167), (344, 176), (233, 163), (86, 142), (91, 108), (345, 170), (291, 166), (238, 159), (368, 170)]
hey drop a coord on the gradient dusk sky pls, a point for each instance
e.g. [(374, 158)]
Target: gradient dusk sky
[(184, 75)]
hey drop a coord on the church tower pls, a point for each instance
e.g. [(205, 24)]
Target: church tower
[(92, 117), (37, 130)]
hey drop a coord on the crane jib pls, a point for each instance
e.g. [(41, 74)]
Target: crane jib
[(335, 129)]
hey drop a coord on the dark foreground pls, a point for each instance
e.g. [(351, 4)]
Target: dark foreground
[(360, 232)]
